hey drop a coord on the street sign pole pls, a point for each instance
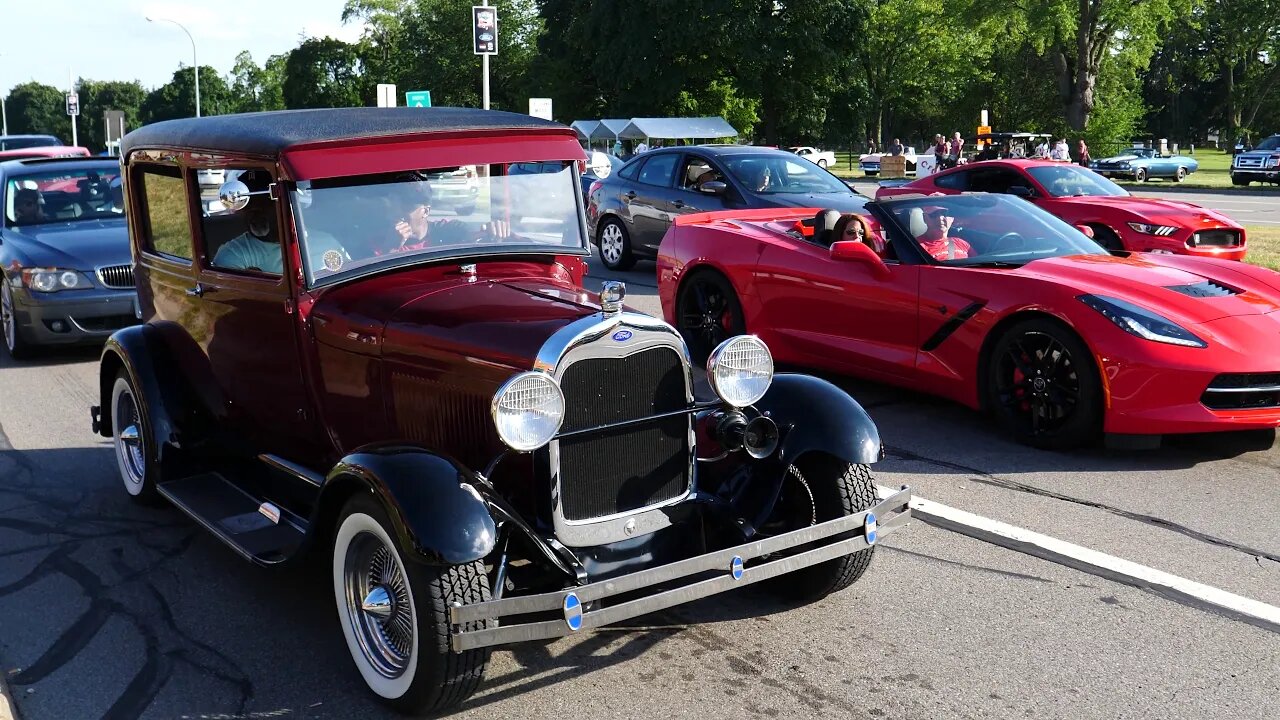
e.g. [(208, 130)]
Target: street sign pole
[(485, 60)]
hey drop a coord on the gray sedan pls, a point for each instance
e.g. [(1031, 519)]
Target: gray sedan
[(66, 275)]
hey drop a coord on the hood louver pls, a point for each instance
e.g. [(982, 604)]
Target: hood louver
[(1206, 289)]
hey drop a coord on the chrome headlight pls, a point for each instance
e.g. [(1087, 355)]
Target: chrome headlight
[(1143, 323), (740, 370), (1152, 229), (1124, 166), (528, 410), (53, 279)]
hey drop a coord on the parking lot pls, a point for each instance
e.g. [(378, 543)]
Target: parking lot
[(112, 610)]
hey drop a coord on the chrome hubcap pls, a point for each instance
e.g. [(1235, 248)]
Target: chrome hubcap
[(611, 243), (378, 605), (6, 314), (128, 443)]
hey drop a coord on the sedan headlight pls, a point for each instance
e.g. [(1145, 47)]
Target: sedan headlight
[(1150, 229), (528, 410), (53, 279), (1143, 323), (740, 370)]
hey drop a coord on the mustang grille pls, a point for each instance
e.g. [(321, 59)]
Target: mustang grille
[(1243, 391), (1205, 289), (624, 469), (118, 277), (1215, 238)]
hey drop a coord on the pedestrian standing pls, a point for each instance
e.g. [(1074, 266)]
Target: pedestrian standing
[(871, 146), (896, 148), (953, 152), (939, 151), (1082, 152)]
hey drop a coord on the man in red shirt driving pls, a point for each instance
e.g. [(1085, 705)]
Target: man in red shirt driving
[(936, 239)]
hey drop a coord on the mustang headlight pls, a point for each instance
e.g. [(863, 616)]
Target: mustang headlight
[(528, 410), (1150, 229), (1143, 323), (740, 370), (53, 279)]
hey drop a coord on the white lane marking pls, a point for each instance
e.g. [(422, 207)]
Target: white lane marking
[(1091, 561)]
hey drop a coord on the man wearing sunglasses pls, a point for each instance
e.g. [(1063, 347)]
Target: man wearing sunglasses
[(27, 209), (937, 239)]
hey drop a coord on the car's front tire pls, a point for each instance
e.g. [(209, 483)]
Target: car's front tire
[(131, 437), (615, 245), (708, 312), (13, 341), (394, 614), (1140, 175), (822, 163), (816, 489), (1181, 175), (1043, 387), (1239, 181)]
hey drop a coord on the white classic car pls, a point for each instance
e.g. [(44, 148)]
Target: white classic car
[(870, 163), (821, 158)]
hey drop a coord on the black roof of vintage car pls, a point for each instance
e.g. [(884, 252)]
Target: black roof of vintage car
[(268, 133)]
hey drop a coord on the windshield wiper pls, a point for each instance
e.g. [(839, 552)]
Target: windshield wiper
[(990, 264)]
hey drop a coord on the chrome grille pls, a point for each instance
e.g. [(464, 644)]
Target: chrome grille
[(118, 277), (1244, 161)]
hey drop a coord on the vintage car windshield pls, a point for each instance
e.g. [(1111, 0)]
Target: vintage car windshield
[(1271, 143), (770, 174), (987, 230), (85, 193), (1073, 180), (355, 225), (1139, 152)]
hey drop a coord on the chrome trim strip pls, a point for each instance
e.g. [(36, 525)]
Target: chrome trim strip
[(97, 272), (1255, 388), (86, 330), (714, 561), (293, 469)]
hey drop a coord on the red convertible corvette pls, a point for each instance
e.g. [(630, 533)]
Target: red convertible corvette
[(1082, 197), (991, 302)]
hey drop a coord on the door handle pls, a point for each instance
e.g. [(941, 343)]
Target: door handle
[(197, 291)]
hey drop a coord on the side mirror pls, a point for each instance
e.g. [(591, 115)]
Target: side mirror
[(714, 187), (854, 251), (1021, 191), (234, 195), (1086, 230)]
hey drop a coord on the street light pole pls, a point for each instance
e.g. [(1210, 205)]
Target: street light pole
[(194, 61), (485, 62)]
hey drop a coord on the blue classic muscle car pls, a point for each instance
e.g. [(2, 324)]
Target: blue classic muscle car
[(1143, 163)]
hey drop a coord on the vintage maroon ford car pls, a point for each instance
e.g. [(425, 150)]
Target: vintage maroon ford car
[(491, 453)]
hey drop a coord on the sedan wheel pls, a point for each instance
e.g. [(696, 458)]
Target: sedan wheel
[(1042, 386), (9, 323), (708, 313), (615, 246)]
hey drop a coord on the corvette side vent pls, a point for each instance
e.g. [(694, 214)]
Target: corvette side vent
[(1206, 289)]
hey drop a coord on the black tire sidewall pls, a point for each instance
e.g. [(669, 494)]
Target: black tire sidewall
[(148, 494), (1086, 422), (697, 352)]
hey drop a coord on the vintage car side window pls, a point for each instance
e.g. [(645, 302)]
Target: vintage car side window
[(657, 170), (247, 240), (168, 224)]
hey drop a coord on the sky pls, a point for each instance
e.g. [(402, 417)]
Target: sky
[(112, 40)]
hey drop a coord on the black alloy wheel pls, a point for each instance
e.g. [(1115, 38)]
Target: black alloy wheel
[(708, 313), (1042, 386)]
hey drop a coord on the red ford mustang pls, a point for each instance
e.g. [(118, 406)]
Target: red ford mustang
[(991, 302), (1082, 197)]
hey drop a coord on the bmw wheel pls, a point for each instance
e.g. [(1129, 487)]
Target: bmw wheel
[(707, 313), (135, 456), (615, 245), (1042, 386), (395, 614), (13, 341)]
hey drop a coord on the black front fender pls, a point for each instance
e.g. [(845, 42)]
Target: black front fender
[(815, 416), (434, 504), (141, 355)]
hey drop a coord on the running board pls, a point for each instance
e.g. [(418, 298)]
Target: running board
[(259, 531)]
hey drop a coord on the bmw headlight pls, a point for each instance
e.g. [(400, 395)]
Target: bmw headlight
[(1143, 323), (740, 370), (528, 410), (1151, 229), (53, 279)]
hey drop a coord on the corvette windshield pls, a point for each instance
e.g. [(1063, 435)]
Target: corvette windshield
[(769, 174), (354, 225), (982, 229), (1073, 180)]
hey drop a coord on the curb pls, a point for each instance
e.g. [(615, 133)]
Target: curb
[(1173, 587)]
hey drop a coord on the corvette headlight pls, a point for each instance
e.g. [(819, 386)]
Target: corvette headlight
[(528, 410), (53, 279), (740, 370), (1143, 323), (1150, 229)]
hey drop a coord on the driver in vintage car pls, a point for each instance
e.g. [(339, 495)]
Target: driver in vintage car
[(257, 247)]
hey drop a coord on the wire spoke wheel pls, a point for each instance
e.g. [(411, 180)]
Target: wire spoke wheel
[(378, 604)]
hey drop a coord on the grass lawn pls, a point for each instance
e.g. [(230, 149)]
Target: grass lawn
[(1264, 245)]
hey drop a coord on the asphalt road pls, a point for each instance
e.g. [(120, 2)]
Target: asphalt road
[(108, 609), (1247, 207)]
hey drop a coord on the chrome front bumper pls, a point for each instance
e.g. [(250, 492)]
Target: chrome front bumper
[(573, 604)]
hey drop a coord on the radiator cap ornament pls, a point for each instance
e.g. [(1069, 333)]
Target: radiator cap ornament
[(611, 294)]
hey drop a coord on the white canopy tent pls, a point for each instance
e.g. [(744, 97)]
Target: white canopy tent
[(699, 128), (585, 128)]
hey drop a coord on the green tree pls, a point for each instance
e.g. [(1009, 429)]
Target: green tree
[(98, 96), (177, 98), (323, 72), (36, 108)]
